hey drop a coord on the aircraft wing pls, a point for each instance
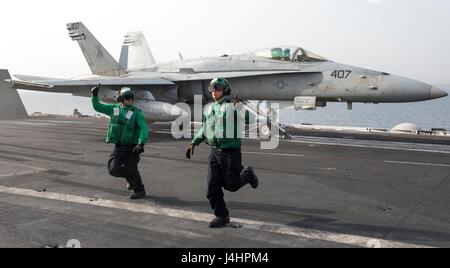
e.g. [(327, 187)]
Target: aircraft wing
[(76, 85), (81, 87)]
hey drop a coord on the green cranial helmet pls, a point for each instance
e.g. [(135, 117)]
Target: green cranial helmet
[(219, 84), (125, 93)]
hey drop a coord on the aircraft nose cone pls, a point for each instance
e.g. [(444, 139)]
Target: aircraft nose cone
[(402, 89), (437, 93)]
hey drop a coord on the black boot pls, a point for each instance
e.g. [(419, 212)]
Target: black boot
[(138, 195), (254, 181), (219, 222), (129, 187)]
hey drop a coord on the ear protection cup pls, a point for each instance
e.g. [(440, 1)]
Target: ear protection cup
[(227, 91), (120, 98), (122, 94), (223, 83)]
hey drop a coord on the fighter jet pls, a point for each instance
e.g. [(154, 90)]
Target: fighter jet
[(287, 74)]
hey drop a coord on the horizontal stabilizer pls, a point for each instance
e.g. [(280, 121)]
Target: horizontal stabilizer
[(74, 86), (11, 106)]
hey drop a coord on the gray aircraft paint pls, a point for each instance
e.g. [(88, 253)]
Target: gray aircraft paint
[(11, 106), (252, 76), (136, 54), (98, 58)]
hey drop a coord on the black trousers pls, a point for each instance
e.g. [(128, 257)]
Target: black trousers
[(225, 172), (123, 163)]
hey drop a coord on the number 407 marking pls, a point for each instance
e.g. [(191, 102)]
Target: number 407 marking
[(341, 74)]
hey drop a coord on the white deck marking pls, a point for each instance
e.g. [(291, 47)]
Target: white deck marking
[(372, 147), (353, 240), (417, 164)]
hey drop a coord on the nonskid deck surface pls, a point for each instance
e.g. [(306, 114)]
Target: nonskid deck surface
[(314, 192)]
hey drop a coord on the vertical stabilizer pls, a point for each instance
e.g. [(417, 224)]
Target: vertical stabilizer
[(136, 54), (99, 59), (11, 106)]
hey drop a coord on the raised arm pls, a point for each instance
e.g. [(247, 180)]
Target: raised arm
[(106, 109)]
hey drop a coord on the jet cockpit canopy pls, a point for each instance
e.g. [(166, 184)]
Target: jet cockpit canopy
[(288, 53)]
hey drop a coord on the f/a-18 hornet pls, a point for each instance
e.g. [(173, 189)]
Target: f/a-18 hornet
[(287, 74)]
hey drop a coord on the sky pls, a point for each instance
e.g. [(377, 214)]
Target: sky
[(404, 37)]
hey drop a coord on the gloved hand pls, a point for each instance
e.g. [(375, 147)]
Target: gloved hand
[(190, 151), (139, 149), (95, 90)]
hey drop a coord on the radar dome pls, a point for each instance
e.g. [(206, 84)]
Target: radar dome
[(408, 128)]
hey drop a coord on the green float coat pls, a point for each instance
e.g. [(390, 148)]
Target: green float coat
[(214, 130), (127, 125)]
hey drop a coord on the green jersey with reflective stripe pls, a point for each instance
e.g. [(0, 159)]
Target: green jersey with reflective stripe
[(223, 125), (127, 125)]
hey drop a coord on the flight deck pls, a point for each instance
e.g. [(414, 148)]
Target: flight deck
[(314, 192)]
